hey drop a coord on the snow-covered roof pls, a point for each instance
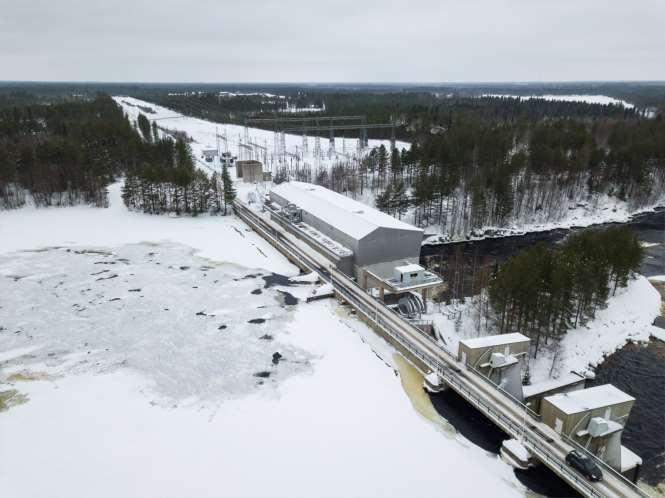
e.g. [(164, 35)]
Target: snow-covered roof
[(489, 341), (409, 268), (551, 384), (589, 399), (345, 214), (629, 459)]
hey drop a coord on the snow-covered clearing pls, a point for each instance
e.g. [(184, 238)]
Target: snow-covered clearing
[(589, 99), (628, 316), (204, 135), (223, 239), (128, 398)]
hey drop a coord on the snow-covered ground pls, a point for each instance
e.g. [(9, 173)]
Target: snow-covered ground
[(127, 392), (628, 316), (262, 142), (601, 209), (589, 99)]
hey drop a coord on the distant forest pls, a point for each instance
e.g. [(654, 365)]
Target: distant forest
[(68, 152), (475, 163)]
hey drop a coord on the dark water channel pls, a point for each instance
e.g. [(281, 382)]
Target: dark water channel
[(475, 427), (636, 369), (649, 227), (639, 370)]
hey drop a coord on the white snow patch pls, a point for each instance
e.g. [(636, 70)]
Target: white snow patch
[(589, 99), (629, 316), (221, 238), (311, 277), (328, 434), (517, 449)]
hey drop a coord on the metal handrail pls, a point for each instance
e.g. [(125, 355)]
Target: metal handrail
[(603, 464), (388, 322)]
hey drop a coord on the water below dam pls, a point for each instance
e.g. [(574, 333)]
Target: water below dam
[(638, 369)]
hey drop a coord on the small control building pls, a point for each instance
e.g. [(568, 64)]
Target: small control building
[(595, 419), (250, 171), (477, 352)]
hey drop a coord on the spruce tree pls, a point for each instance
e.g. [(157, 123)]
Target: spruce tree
[(144, 126), (227, 185)]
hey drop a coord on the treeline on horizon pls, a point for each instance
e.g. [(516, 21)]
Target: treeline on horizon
[(544, 292), (67, 153), (412, 112)]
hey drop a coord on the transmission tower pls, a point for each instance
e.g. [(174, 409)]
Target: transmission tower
[(317, 147), (282, 143), (331, 147)]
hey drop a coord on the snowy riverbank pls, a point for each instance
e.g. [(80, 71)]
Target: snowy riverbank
[(606, 210), (127, 398), (629, 316)]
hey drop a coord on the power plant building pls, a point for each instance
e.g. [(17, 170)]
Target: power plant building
[(371, 236)]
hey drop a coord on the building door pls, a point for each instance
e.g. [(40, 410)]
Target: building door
[(608, 413), (463, 357), (558, 425)]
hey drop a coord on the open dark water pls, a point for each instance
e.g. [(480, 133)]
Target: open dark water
[(637, 369)]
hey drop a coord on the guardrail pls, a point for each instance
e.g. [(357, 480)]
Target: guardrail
[(605, 467), (394, 325), (500, 419)]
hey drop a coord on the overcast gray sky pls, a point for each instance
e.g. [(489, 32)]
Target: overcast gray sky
[(340, 41)]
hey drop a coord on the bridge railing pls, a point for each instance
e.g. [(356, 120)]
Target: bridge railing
[(606, 468), (443, 370), (350, 290)]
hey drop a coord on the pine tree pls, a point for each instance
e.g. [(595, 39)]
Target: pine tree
[(155, 132), (229, 191), (383, 200), (144, 126)]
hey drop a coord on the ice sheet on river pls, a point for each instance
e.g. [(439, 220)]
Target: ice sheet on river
[(194, 328)]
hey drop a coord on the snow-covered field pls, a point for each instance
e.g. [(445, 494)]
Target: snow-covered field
[(628, 316), (204, 134), (127, 386), (589, 99)]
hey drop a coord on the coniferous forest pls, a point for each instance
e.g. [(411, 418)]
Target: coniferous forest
[(67, 153), (543, 292), (476, 165)]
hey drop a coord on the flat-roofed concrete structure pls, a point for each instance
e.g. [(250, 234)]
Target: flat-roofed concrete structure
[(476, 352), (373, 237), (595, 419), (569, 413), (534, 393)]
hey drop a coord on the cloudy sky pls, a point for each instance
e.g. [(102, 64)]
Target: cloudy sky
[(340, 41)]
